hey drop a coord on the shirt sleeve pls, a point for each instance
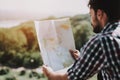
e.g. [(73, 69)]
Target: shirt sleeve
[(92, 61)]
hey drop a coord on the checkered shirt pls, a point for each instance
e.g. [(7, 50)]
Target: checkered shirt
[(101, 54)]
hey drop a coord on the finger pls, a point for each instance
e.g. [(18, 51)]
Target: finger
[(75, 54), (72, 52), (45, 70)]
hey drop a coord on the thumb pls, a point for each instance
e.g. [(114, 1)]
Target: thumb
[(46, 70)]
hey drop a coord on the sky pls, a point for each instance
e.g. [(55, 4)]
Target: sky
[(20, 10)]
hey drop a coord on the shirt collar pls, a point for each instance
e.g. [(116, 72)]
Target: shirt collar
[(109, 26)]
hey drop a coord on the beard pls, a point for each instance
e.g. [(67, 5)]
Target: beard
[(97, 28)]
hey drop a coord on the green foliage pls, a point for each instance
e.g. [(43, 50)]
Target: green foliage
[(28, 60), (16, 61), (22, 73), (10, 78), (17, 46), (82, 33), (5, 57), (4, 71), (32, 61), (34, 74), (82, 29)]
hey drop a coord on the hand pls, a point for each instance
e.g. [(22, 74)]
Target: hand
[(48, 72), (75, 54), (51, 75)]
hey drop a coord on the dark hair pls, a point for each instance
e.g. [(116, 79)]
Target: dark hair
[(110, 7)]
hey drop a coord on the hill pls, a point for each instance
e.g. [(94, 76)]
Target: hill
[(19, 45)]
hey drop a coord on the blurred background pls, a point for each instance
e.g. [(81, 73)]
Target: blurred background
[(19, 51)]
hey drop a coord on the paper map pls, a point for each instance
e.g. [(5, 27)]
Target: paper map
[(55, 38)]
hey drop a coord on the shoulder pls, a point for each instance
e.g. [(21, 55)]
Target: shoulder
[(93, 44), (93, 41), (99, 38), (95, 38)]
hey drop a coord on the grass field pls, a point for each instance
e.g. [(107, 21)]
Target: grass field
[(20, 74), (24, 74)]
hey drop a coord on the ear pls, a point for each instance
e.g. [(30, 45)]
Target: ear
[(102, 17), (100, 14)]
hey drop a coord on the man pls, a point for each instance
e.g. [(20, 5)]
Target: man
[(101, 54)]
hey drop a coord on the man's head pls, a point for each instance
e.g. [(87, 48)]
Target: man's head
[(103, 11)]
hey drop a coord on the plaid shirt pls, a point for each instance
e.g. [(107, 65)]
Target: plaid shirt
[(101, 54)]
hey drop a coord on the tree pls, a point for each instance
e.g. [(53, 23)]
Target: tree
[(82, 29)]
